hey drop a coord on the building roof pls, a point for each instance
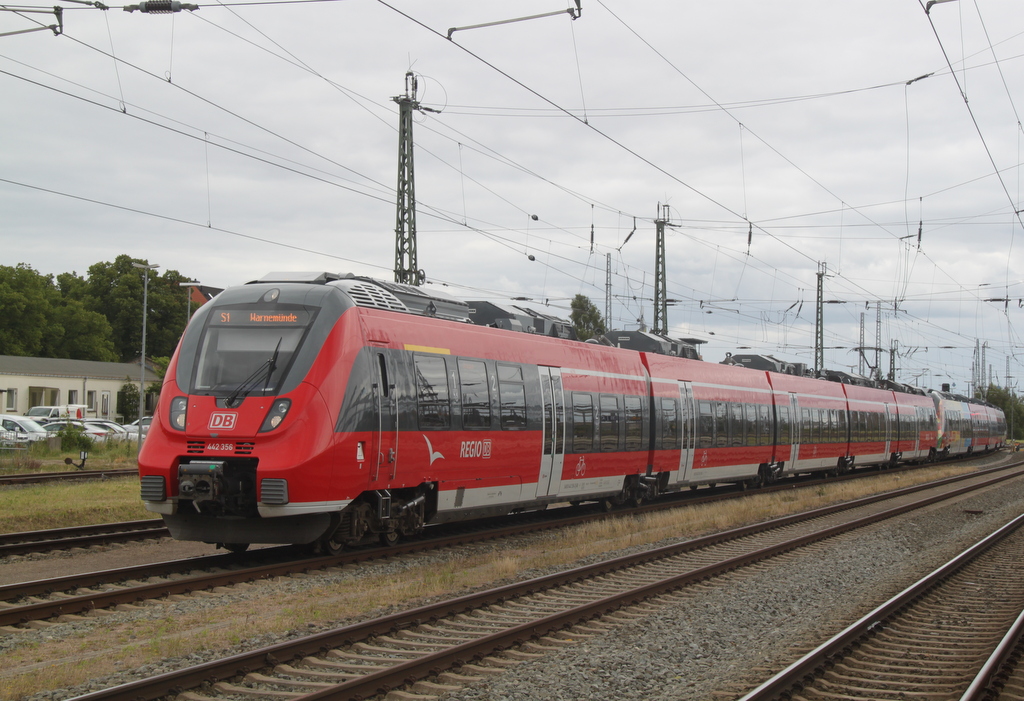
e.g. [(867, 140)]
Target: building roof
[(64, 367)]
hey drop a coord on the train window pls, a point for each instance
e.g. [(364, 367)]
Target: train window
[(721, 424), (556, 387), (476, 399), (750, 410), (705, 425), (513, 404), (510, 373), (634, 415), (669, 424), (806, 426), (432, 401), (686, 419), (785, 428), (737, 426), (582, 422), (833, 425), (764, 424), (382, 375), (609, 422), (841, 424)]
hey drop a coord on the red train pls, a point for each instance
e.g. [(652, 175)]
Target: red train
[(326, 409)]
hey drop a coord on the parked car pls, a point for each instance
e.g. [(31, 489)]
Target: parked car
[(64, 411), (97, 433), (118, 432), (133, 427), (19, 429)]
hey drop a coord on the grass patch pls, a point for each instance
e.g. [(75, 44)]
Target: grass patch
[(40, 457), (60, 505)]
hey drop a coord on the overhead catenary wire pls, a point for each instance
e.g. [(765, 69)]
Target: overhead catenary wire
[(851, 226)]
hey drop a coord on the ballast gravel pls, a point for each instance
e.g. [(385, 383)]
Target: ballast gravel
[(718, 642), (712, 641)]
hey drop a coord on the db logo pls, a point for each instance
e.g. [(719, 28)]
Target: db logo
[(223, 420)]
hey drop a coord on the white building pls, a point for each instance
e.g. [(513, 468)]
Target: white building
[(28, 382)]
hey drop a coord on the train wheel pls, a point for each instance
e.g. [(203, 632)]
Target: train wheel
[(607, 505), (693, 488), (329, 546), (388, 538), (236, 547)]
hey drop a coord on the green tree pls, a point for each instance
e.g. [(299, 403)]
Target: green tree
[(42, 322), (1012, 407), (80, 334), (115, 289), (27, 300), (586, 318), (128, 401)]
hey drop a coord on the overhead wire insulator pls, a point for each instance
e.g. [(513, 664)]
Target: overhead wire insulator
[(161, 7)]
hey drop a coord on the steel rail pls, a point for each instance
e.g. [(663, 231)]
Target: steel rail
[(385, 680), (984, 684), (817, 659), (128, 595), (81, 536), (37, 477)]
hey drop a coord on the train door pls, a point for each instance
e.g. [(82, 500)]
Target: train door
[(686, 419), (795, 437), (891, 429), (553, 454), (385, 457)]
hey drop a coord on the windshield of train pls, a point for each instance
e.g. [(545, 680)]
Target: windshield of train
[(248, 350)]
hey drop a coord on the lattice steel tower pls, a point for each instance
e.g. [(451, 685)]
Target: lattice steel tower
[(406, 266), (660, 325)]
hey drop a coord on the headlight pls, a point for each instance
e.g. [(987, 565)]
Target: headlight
[(179, 410), (276, 415)]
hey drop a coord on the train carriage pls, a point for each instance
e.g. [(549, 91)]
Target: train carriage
[(726, 422), (819, 434), (917, 437), (956, 432)]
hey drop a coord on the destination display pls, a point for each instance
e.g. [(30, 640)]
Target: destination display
[(261, 317)]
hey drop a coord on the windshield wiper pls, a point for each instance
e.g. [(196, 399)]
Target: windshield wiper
[(270, 365)]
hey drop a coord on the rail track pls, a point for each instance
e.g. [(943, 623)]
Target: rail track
[(479, 634), (81, 536), (40, 477), (941, 638), (23, 603), (85, 536)]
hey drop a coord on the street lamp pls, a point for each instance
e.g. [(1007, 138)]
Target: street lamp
[(142, 376), (188, 298)]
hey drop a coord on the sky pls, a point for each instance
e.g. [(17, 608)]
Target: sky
[(873, 141)]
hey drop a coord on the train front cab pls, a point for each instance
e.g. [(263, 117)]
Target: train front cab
[(242, 445)]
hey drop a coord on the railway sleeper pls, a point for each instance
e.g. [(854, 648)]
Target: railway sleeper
[(310, 686), (413, 644), (318, 674)]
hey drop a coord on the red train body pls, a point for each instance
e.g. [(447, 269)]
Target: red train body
[(323, 411)]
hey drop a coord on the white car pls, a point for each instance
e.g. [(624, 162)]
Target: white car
[(97, 433), (117, 431), (19, 429), (133, 427)]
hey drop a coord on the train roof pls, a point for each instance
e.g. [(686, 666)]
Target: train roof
[(380, 294)]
